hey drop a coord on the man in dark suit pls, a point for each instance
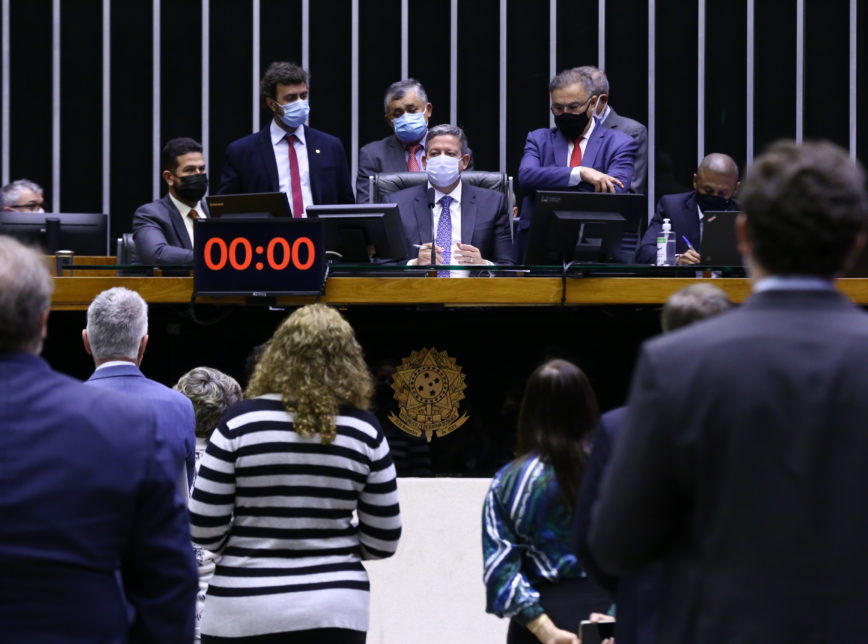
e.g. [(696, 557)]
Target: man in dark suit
[(477, 230), (116, 337), (163, 229), (714, 185), (288, 156), (741, 462), (92, 529), (576, 153)]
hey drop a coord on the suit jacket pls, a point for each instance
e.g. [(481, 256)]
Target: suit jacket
[(682, 213), (174, 410), (89, 515), (637, 593), (544, 167), (639, 132), (743, 465), (160, 234), (250, 166), (484, 219)]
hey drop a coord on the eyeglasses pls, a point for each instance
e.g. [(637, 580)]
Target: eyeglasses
[(572, 108), (30, 206)]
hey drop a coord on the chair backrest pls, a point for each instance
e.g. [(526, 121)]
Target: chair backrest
[(385, 184), (127, 256)]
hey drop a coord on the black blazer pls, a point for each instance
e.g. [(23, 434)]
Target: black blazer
[(743, 464), (160, 234), (250, 166), (484, 220)]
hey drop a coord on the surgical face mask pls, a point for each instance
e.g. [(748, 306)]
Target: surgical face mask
[(712, 203), (295, 113), (192, 187), (571, 125), (410, 127), (442, 170)]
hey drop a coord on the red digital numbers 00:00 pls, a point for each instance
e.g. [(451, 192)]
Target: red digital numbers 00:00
[(229, 253)]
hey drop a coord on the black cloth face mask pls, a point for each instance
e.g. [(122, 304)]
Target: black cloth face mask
[(712, 202), (192, 187), (571, 125)]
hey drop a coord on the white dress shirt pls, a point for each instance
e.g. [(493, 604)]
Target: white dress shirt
[(281, 156), (575, 175), (184, 210)]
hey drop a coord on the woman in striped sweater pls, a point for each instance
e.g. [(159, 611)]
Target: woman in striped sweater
[(531, 573), (277, 488)]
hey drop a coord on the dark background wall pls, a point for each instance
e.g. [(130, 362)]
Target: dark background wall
[(127, 171)]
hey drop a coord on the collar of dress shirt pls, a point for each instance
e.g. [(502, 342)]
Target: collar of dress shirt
[(605, 115), (793, 283), (115, 363), (421, 142), (455, 194), (184, 209), (277, 133)]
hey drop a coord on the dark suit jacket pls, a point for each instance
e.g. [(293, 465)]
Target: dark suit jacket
[(160, 234), (742, 464), (175, 416), (484, 220), (639, 133), (250, 166), (681, 211), (544, 167), (89, 515), (637, 594)]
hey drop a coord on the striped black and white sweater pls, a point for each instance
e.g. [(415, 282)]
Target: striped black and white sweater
[(281, 507)]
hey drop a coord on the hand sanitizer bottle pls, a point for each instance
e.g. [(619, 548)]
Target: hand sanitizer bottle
[(666, 245)]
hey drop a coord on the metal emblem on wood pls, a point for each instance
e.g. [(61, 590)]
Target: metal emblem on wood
[(428, 387)]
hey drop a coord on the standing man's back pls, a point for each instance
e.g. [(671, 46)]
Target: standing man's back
[(90, 519), (746, 438)]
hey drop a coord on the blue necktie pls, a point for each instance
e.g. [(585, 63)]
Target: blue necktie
[(444, 233)]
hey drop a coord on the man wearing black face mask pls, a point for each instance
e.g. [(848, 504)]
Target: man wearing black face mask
[(714, 184), (576, 154), (163, 229)]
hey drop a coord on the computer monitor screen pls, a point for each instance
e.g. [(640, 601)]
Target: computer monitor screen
[(719, 245), (254, 205), (584, 227), (362, 232), (85, 233)]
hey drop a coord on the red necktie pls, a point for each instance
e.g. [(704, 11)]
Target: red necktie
[(295, 179), (412, 161), (576, 156)]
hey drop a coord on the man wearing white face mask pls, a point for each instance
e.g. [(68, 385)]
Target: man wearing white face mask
[(465, 224), (288, 156)]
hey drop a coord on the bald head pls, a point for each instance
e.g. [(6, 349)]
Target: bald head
[(716, 176)]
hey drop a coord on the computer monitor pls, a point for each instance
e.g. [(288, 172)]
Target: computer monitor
[(585, 227), (85, 233), (362, 232), (719, 245), (254, 205)]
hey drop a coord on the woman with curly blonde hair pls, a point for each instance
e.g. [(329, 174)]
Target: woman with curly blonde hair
[(283, 473)]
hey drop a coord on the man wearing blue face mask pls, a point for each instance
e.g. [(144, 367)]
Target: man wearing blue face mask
[(465, 224), (714, 184), (288, 156)]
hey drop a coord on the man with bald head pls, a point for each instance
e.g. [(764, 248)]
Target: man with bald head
[(714, 184)]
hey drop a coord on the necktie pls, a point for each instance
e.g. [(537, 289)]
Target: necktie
[(412, 161), (444, 233), (294, 179), (192, 214), (576, 156)]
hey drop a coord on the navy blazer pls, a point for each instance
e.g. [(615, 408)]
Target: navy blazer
[(484, 220), (544, 167), (250, 166), (90, 517), (742, 466), (385, 155), (639, 133), (683, 214), (175, 416), (160, 234)]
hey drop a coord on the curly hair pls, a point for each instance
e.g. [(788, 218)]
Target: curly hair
[(212, 392), (315, 363)]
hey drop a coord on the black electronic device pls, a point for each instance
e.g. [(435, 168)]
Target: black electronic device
[(595, 632), (361, 233), (85, 233), (585, 227), (254, 205), (719, 245)]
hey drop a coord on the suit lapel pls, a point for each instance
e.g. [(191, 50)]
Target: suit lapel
[(395, 153), (424, 216), (468, 213), (266, 153), (691, 219), (313, 162), (177, 223), (560, 147), (594, 145)]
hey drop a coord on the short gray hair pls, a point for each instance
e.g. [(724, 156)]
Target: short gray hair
[(400, 88), (576, 75), (117, 320), (448, 130), (25, 296), (12, 191), (692, 304), (599, 81), (211, 391)]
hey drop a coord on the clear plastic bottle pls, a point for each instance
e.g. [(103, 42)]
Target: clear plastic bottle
[(666, 245)]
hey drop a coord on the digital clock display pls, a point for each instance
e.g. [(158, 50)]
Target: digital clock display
[(258, 257)]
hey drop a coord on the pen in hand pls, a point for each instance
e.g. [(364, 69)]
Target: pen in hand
[(687, 241)]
